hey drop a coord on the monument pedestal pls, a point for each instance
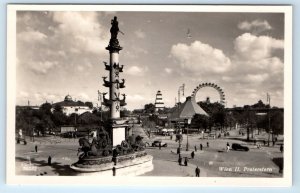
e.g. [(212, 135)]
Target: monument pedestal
[(118, 129), (128, 165)]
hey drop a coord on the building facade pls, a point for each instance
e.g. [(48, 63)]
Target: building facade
[(69, 106)]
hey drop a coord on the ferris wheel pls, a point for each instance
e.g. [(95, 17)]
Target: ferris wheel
[(211, 85)]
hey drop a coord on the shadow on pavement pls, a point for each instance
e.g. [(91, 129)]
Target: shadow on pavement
[(62, 170), (279, 162)]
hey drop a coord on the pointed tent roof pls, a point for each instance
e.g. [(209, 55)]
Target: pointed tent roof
[(188, 109)]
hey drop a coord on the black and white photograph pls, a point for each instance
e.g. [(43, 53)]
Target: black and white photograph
[(198, 94)]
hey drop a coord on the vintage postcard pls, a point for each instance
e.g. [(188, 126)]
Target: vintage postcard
[(128, 94)]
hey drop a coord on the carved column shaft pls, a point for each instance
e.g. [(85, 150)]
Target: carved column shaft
[(114, 89)]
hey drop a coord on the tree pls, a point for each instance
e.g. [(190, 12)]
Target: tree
[(149, 108), (124, 112), (89, 104), (277, 122), (88, 118), (46, 108), (260, 104), (59, 118), (58, 108), (200, 121), (80, 103)]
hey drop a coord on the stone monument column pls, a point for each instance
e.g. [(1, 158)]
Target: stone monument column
[(115, 102), (114, 91)]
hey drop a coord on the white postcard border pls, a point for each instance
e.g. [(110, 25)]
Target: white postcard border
[(285, 181)]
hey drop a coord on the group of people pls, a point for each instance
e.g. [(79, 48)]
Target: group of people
[(180, 161), (197, 170)]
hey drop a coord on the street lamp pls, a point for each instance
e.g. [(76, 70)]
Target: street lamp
[(100, 99), (188, 122), (269, 100)]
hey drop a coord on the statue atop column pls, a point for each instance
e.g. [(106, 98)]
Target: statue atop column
[(114, 30)]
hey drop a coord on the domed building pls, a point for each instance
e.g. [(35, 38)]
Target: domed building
[(69, 106)]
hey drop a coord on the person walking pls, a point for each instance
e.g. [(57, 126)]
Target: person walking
[(281, 148), (192, 154), (179, 160), (49, 160), (159, 145), (197, 171), (114, 171), (186, 161), (178, 150), (207, 144), (195, 148), (227, 147), (201, 146), (36, 148)]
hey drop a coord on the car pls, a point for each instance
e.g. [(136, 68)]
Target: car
[(157, 142), (239, 147)]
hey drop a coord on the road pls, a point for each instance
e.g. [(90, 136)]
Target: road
[(213, 161)]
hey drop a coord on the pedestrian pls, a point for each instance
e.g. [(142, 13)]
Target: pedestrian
[(195, 148), (207, 144), (186, 161), (178, 150), (227, 147), (49, 160), (179, 160), (264, 142), (197, 171), (281, 148), (201, 146), (273, 143), (192, 154), (159, 145), (171, 136), (36, 148), (114, 171)]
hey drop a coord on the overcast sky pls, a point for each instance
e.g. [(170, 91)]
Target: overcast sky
[(60, 53)]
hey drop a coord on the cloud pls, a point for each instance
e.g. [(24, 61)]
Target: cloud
[(83, 96), (140, 34), (23, 94), (135, 98), (31, 36), (257, 77), (200, 58), (136, 71), (42, 97), (256, 25), (256, 68), (80, 30), (59, 39), (168, 70), (253, 48), (42, 67)]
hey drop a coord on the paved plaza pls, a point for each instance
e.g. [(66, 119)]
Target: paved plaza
[(213, 161)]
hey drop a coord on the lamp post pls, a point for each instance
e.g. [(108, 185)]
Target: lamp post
[(100, 100), (188, 121), (269, 117)]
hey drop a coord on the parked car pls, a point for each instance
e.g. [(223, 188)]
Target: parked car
[(157, 142), (239, 147)]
